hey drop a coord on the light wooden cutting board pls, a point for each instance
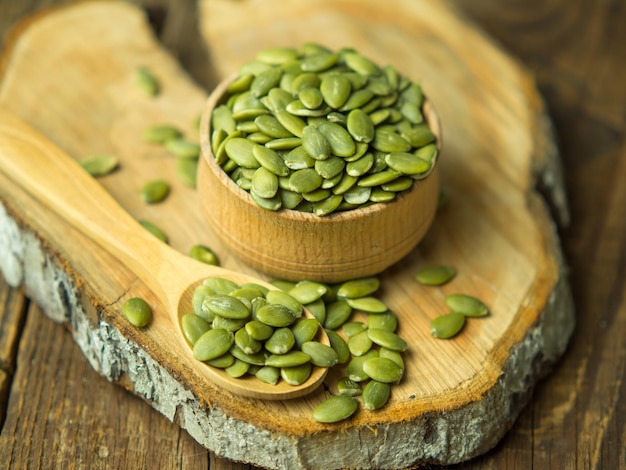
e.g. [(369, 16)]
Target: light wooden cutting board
[(69, 74)]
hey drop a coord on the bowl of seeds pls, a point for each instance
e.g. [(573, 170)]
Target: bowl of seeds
[(319, 164)]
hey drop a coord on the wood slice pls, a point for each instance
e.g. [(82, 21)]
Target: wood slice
[(458, 397)]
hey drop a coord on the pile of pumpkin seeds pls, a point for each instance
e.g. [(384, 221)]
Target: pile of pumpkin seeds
[(461, 306), (321, 131)]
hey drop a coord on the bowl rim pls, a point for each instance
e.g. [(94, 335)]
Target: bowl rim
[(218, 96)]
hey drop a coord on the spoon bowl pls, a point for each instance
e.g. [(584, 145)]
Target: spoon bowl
[(62, 186)]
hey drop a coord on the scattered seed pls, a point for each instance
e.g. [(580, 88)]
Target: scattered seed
[(99, 165), (467, 305), (448, 325), (137, 312), (335, 409)]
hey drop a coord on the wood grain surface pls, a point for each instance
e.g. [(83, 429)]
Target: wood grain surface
[(576, 418)]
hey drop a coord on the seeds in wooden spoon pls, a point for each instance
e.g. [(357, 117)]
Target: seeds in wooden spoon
[(137, 311), (213, 344)]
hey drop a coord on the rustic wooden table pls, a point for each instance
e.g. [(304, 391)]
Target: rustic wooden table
[(56, 412)]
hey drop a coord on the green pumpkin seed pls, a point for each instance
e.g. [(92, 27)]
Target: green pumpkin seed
[(200, 293), (304, 330), (306, 80), (435, 275), (146, 81), (345, 184), (237, 369), (137, 312), (240, 150), (352, 328), (268, 374), (360, 126), (386, 339), (265, 81), (228, 324), (193, 327), (311, 97), (306, 292), (296, 375), (376, 394), (247, 343), (427, 153), (383, 370), (395, 356), (272, 204), (240, 84), (220, 285), (282, 284), (328, 205), (407, 163), (448, 325), (358, 288), (413, 94), (222, 118), (264, 183), (357, 195), (341, 143), (275, 315), (257, 359), (387, 141), (419, 136), (368, 304), (298, 108), (348, 387), (335, 409), (339, 345), (358, 99), (299, 159), (286, 299), (213, 344), (290, 199), (182, 148), (337, 313), (335, 89), (187, 171), (315, 143), (318, 310), (467, 305), (270, 160), (319, 62), (287, 143), (321, 355), (399, 184), (355, 367), (272, 127), (377, 179), (258, 330), (227, 306), (378, 195), (154, 230), (222, 362), (99, 165), (383, 321), (277, 55), (290, 359), (305, 181), (359, 343), (154, 191), (160, 134), (360, 64), (281, 341), (293, 124)]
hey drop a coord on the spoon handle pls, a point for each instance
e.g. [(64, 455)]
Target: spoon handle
[(60, 184)]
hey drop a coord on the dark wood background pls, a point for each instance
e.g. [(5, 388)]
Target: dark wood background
[(56, 412)]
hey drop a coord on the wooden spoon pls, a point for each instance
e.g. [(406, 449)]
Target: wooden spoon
[(61, 185)]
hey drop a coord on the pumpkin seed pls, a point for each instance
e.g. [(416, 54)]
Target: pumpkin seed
[(290, 359), (306, 292), (337, 313), (264, 183), (407, 163), (435, 275), (265, 81), (247, 343), (258, 331), (137, 312), (315, 143), (360, 64), (154, 230), (286, 143), (275, 315), (311, 97), (296, 375), (348, 387), (240, 151), (376, 394), (358, 288), (355, 367), (182, 148), (277, 55), (318, 310), (335, 409), (321, 355), (319, 62), (241, 83), (146, 81), (154, 191), (293, 124), (383, 321), (352, 328), (328, 205), (360, 126), (193, 327), (281, 341), (187, 170), (213, 344), (357, 195), (220, 285), (395, 356), (160, 134), (357, 99), (299, 159), (339, 345), (222, 118), (388, 141), (305, 181), (237, 369), (467, 305), (341, 143), (287, 300), (335, 89), (386, 339), (368, 304), (99, 165), (222, 362), (257, 359), (268, 374), (383, 370), (304, 330), (359, 343), (228, 324), (448, 325), (227, 306)]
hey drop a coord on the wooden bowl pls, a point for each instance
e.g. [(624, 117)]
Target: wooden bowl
[(295, 245)]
